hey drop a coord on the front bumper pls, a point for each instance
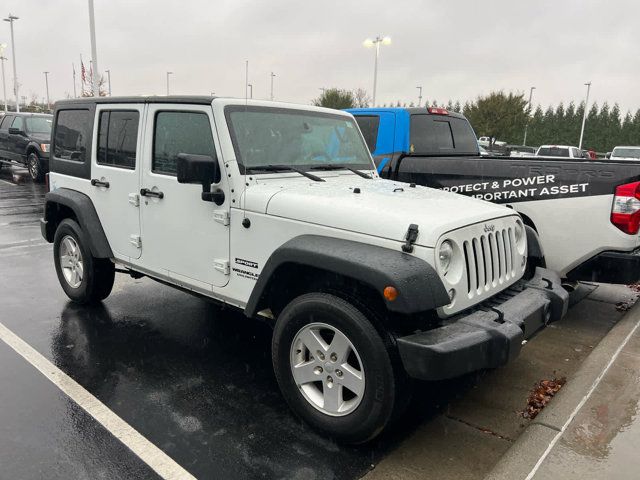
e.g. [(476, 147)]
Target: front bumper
[(489, 337), (609, 267)]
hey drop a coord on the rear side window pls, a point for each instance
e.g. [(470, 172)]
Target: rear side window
[(118, 138), (434, 134), (18, 122), (553, 152), (369, 125), (180, 132), (72, 134), (6, 121)]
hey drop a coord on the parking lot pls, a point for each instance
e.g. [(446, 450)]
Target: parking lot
[(196, 381)]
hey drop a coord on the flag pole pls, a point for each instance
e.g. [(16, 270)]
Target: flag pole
[(75, 93)]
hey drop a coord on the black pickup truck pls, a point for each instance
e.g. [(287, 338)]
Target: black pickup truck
[(585, 212), (25, 139)]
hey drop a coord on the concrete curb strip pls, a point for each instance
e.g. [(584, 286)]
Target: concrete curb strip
[(522, 457)]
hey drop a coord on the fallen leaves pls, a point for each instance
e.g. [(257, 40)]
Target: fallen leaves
[(542, 394)]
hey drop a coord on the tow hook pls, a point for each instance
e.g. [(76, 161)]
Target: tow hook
[(411, 237)]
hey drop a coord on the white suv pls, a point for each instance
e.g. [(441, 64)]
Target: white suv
[(277, 209)]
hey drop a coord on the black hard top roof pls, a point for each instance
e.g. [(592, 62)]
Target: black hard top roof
[(197, 99)]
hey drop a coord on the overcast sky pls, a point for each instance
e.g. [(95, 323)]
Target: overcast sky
[(454, 49)]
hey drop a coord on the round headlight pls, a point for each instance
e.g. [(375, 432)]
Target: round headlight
[(444, 256)]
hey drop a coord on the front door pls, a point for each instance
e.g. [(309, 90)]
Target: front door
[(183, 237), (115, 175)]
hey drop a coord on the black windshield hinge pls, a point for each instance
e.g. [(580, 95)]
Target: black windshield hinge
[(411, 237)]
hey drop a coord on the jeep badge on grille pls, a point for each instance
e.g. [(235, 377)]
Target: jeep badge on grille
[(489, 227)]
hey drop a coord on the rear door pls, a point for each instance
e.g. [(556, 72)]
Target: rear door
[(17, 144), (184, 238), (115, 175), (4, 135)]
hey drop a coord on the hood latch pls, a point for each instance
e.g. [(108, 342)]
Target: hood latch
[(411, 237)]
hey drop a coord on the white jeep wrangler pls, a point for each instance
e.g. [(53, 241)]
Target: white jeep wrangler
[(277, 209)]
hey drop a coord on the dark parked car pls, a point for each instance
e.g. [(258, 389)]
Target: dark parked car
[(25, 138)]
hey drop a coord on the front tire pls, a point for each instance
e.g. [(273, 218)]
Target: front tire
[(34, 164), (334, 369), (84, 278)]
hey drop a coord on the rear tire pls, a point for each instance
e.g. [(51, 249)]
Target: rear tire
[(84, 278), (310, 332), (34, 165)]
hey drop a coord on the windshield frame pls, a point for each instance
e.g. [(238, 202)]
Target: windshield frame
[(28, 120), (229, 109)]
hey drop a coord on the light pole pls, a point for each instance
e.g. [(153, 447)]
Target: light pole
[(584, 116), (4, 84), (526, 125), (46, 82), (109, 80), (94, 52), (420, 95), (168, 73), (272, 75), (376, 43), (250, 90), (10, 19)]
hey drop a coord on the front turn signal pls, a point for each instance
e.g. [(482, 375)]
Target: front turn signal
[(390, 293)]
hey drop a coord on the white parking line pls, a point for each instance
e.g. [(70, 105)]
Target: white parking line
[(146, 451), (595, 384)]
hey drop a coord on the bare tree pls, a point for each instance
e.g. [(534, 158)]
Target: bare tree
[(361, 98)]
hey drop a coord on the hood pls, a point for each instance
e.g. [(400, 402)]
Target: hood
[(383, 208), (40, 137)]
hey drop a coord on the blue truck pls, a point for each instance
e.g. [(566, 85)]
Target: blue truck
[(585, 213)]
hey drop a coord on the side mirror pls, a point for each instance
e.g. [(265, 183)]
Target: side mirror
[(608, 155), (202, 169), (15, 131)]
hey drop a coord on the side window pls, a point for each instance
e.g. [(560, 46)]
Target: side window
[(369, 126), (179, 132), (71, 134), (6, 121), (18, 122), (118, 138)]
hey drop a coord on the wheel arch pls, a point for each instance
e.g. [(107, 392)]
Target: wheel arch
[(362, 269), (66, 203)]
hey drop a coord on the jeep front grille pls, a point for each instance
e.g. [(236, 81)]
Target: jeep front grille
[(490, 260)]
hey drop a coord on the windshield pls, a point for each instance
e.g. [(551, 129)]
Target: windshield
[(553, 152), (277, 136), (626, 152), (39, 125)]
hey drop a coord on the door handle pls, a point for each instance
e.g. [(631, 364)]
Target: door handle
[(145, 192), (98, 183)]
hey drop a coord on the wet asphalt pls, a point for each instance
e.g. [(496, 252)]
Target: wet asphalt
[(196, 380)]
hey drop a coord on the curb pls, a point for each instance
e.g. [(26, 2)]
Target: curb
[(532, 444)]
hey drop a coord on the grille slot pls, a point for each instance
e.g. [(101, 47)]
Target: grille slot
[(490, 260)]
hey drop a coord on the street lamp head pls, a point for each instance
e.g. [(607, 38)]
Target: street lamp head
[(368, 43), (386, 40)]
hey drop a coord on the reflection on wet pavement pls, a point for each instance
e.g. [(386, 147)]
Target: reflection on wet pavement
[(603, 441)]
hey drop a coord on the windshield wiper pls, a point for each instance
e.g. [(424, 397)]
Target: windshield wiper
[(337, 166), (285, 168)]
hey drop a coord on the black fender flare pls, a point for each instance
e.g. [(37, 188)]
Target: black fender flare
[(419, 286), (534, 248), (85, 213)]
